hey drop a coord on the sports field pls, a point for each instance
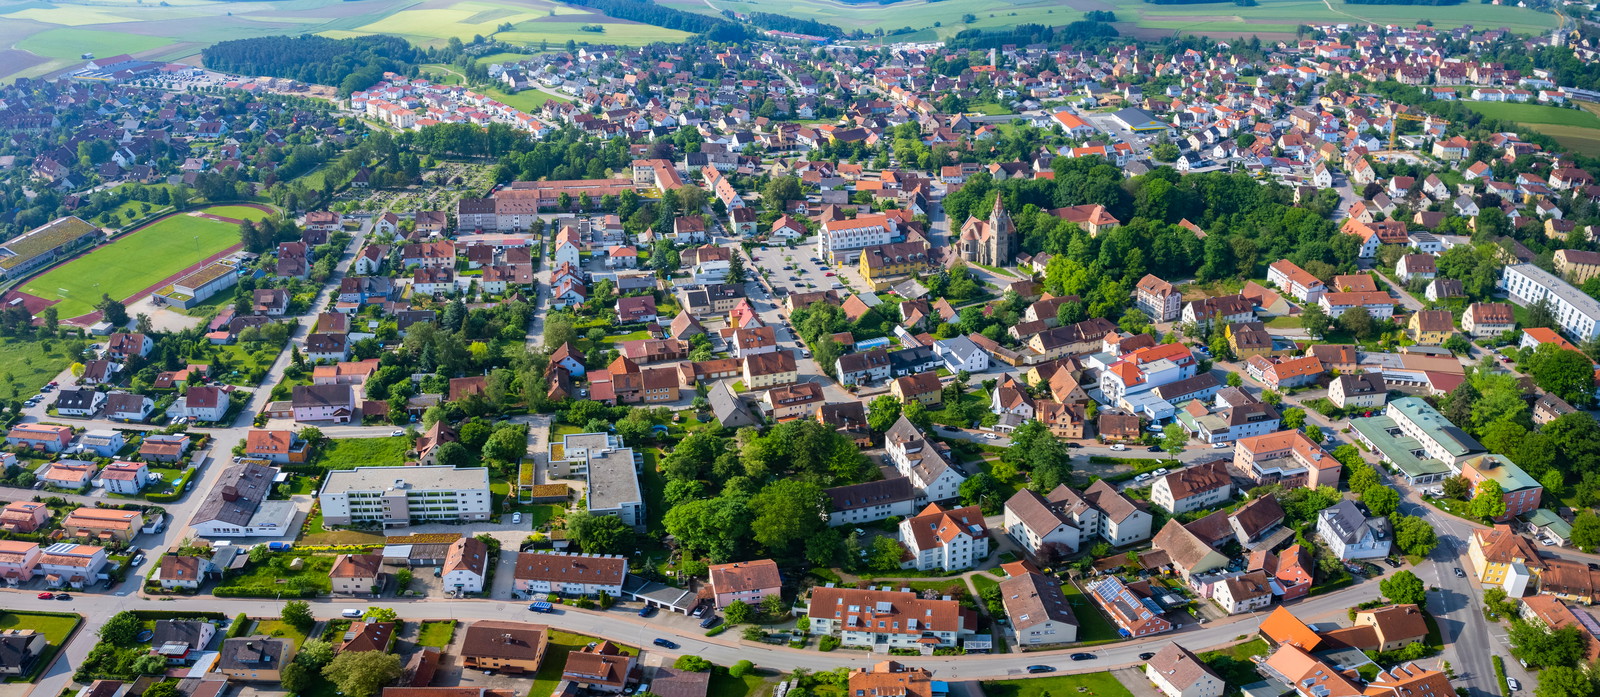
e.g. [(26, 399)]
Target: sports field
[(237, 212), (1578, 129), (137, 261)]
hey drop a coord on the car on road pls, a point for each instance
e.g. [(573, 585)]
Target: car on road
[(1071, 444), (663, 643), (1153, 449), (1146, 656), (46, 595), (63, 596), (541, 607), (1041, 669), (396, 433), (1460, 573), (1118, 447), (1221, 445), (990, 436), (1082, 657), (137, 560), (829, 273)]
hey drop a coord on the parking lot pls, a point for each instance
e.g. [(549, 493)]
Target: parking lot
[(796, 270)]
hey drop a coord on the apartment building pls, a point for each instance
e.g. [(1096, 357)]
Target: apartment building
[(945, 538), (610, 469), (576, 575), (887, 619), (1577, 314), (932, 472), (1193, 488), (398, 496), (1158, 298), (1286, 457)]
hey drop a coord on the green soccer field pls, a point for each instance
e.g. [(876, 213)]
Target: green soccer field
[(137, 261)]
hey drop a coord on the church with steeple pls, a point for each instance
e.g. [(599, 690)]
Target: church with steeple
[(991, 242)]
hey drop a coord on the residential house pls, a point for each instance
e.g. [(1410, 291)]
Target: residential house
[(1193, 488), (514, 648), (1038, 610), (748, 581), (1177, 672), (1350, 533), (357, 573), (570, 575), (947, 539)]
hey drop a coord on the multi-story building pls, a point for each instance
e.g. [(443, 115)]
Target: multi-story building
[(1146, 369), (1286, 457), (1376, 303), (886, 619), (75, 565), (1295, 281), (854, 504), (357, 574), (841, 241), (945, 538), (1158, 298), (571, 574), (1521, 492), (933, 474), (882, 264), (19, 560), (748, 581), (1193, 488), (393, 497), (1576, 265), (466, 565), (1177, 672), (1482, 320), (509, 647), (1352, 534), (1502, 558), (1358, 391), (1577, 314)]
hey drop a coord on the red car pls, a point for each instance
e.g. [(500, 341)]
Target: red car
[(830, 273), (46, 595)]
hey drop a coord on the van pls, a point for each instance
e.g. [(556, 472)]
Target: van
[(352, 613)]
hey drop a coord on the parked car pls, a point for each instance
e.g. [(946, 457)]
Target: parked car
[(1460, 573), (63, 596), (1161, 472), (1513, 684), (397, 432), (647, 611), (710, 621), (516, 518)]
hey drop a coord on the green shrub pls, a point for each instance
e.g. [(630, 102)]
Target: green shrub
[(240, 624), (718, 629), (828, 643)]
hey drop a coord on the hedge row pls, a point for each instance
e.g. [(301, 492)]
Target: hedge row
[(264, 592), (179, 615), (239, 626)]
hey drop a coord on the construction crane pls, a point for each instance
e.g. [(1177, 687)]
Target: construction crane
[(1394, 130)]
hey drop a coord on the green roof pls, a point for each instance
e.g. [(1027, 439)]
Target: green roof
[(1402, 450), (1428, 419), (1547, 519), (45, 239)]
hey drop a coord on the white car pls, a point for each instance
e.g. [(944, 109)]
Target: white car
[(397, 432), (1161, 472), (990, 436), (1119, 447), (1513, 684), (1142, 477), (516, 518)]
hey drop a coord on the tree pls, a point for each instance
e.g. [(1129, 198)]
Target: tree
[(741, 669), (1174, 438), (786, 513), (600, 534), (121, 630), (295, 678), (297, 613), (1380, 500), (981, 489), (1565, 373), (114, 312), (692, 664), (315, 653), (362, 673), (1414, 535), (1541, 647), (1563, 681), (1294, 418), (165, 688), (381, 614), (1490, 501), (882, 412), (1362, 477), (454, 454), (738, 612), (736, 270), (1404, 588), (508, 444), (1314, 320), (1359, 322), (917, 413), (1457, 488), (1586, 531)]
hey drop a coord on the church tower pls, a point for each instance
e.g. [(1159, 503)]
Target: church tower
[(1002, 240)]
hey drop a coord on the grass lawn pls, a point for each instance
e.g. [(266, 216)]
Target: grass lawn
[(555, 659), (350, 453), (238, 212), (128, 211), (266, 578), (27, 366), (279, 628), (55, 628), (1101, 684), (527, 100), (1093, 626), (990, 109), (725, 685), (134, 262), (436, 634), (317, 534), (1233, 663)]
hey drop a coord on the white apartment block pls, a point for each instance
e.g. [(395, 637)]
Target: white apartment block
[(398, 496), (947, 539), (1577, 313), (841, 241)]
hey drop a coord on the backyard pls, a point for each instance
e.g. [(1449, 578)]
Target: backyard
[(1093, 627), (274, 577), (55, 628), (436, 634), (555, 659), (350, 453)]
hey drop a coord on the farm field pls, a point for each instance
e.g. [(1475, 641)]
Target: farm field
[(1578, 129), (133, 263), (1271, 19)]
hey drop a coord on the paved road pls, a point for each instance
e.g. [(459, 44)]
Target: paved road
[(725, 649)]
